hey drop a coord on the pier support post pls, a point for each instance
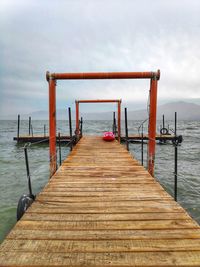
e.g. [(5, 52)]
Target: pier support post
[(18, 127), (114, 123), (70, 122), (44, 130), (126, 129), (163, 118), (29, 126), (175, 159), (70, 128), (142, 145), (81, 127), (77, 118), (152, 124), (59, 146), (52, 125), (119, 121)]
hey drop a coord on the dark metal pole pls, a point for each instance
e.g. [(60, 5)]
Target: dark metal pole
[(175, 159), (115, 126), (44, 130), (70, 127), (163, 119), (113, 122), (18, 127), (142, 146), (81, 127), (59, 148), (70, 122), (32, 130), (28, 171), (126, 129), (29, 126), (175, 122)]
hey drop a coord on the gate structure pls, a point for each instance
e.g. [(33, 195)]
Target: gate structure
[(152, 76), (118, 101)]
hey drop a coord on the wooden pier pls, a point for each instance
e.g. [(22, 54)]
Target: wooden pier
[(65, 138), (158, 137), (102, 208), (39, 138)]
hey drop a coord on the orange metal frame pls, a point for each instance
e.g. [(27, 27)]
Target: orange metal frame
[(153, 76), (118, 101)]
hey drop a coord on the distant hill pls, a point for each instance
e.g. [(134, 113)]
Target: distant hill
[(185, 111)]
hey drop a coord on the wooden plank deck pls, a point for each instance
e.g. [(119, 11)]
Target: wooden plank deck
[(102, 208)]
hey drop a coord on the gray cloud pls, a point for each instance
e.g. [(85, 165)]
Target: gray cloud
[(97, 35)]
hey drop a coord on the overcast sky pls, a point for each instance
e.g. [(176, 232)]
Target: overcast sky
[(97, 35)]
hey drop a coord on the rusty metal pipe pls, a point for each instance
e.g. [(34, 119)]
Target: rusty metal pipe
[(152, 125), (52, 126), (119, 121), (103, 75), (99, 101)]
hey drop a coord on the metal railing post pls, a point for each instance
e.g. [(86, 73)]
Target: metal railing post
[(81, 127), (70, 128), (126, 129), (142, 146), (175, 159), (59, 146), (18, 127), (44, 130), (32, 130), (28, 171), (29, 126), (163, 121)]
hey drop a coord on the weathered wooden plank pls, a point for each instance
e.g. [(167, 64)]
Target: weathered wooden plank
[(110, 204), (105, 234), (100, 156), (123, 194), (105, 225), (91, 180), (96, 163), (91, 246), (62, 208), (112, 185), (116, 184), (111, 168), (15, 258), (104, 174), (119, 198), (28, 216), (106, 178), (118, 188)]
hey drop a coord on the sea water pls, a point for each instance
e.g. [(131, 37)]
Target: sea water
[(13, 181)]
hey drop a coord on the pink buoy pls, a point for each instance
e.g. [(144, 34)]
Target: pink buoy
[(108, 136)]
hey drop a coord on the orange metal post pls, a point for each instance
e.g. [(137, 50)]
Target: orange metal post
[(119, 120), (52, 125), (152, 125), (77, 117)]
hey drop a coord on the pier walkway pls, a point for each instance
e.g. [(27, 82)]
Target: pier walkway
[(102, 208)]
